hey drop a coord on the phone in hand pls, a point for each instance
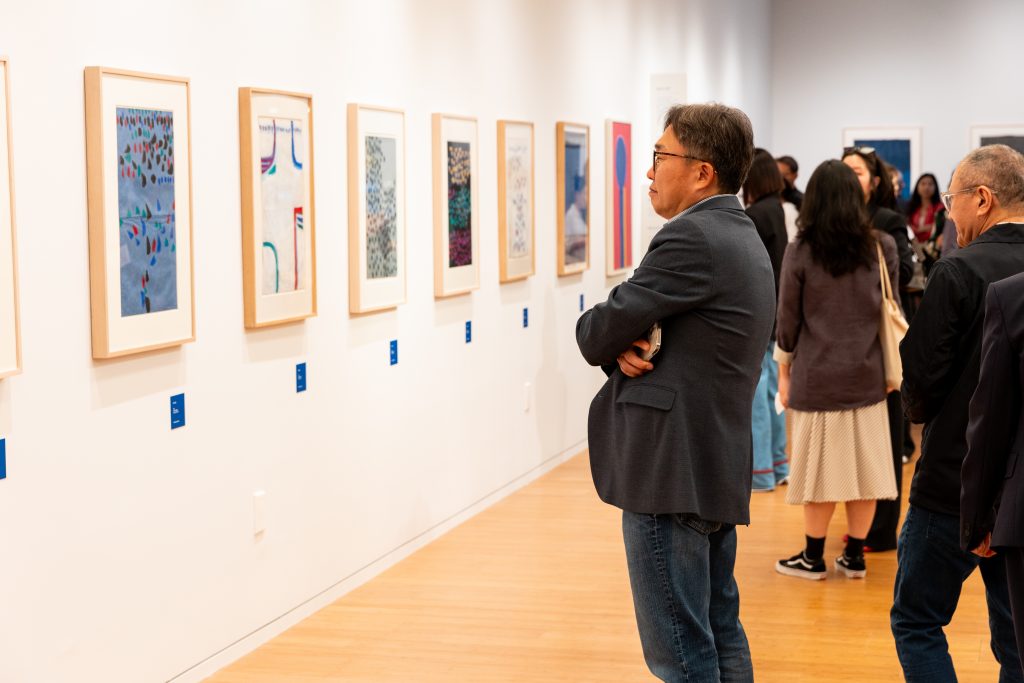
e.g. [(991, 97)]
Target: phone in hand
[(654, 337)]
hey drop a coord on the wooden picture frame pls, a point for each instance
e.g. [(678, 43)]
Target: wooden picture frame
[(456, 205), (572, 163), (278, 213), (1011, 135), (905, 143), (516, 237), (10, 326), (139, 168), (376, 246), (618, 198)]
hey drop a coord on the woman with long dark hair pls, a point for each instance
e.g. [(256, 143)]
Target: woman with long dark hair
[(925, 207), (831, 373)]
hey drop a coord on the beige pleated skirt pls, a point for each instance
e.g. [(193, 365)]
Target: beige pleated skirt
[(841, 455)]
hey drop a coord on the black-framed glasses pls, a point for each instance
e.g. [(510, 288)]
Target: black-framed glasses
[(656, 159), (857, 149), (947, 197)]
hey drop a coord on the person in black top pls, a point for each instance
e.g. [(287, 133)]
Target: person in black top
[(789, 169), (761, 194), (941, 358), (878, 193)]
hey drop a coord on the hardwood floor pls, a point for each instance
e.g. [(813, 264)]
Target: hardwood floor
[(535, 589)]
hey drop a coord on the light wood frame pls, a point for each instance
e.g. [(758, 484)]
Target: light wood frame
[(561, 128), (449, 280), (113, 334), (264, 310), (514, 268), (10, 325), (626, 214), (366, 296), (980, 131)]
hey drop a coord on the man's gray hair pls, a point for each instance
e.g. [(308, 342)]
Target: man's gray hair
[(998, 167), (718, 134)]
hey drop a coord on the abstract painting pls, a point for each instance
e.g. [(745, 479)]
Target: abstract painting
[(573, 162), (456, 217), (140, 211), (10, 335), (515, 200), (145, 206), (619, 198), (1012, 136), (899, 147), (278, 261), (376, 204)]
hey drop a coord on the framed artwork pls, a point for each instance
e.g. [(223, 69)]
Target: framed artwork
[(572, 147), (456, 205), (1012, 136), (900, 147), (139, 168), (515, 201), (619, 198), (278, 221), (10, 331), (376, 208)]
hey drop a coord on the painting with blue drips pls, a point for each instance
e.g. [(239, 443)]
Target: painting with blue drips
[(145, 204)]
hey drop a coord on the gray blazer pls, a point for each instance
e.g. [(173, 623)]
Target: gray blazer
[(677, 439)]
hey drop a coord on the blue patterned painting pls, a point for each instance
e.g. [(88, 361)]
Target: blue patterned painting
[(460, 206), (381, 207), (896, 153)]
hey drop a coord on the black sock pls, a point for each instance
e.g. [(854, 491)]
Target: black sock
[(815, 548), (854, 547)]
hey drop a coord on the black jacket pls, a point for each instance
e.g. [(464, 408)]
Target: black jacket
[(770, 221), (941, 355), (892, 222), (677, 439), (991, 475)]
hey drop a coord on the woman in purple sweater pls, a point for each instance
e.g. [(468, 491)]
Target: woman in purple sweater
[(831, 373)]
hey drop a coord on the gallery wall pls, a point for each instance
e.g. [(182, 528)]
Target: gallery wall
[(128, 551), (939, 65)]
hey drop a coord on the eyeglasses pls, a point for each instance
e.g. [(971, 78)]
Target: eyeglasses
[(847, 151), (656, 159), (947, 197)]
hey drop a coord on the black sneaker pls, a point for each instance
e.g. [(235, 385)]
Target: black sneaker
[(853, 567), (800, 566)]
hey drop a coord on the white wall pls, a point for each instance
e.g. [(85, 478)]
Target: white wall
[(942, 65), (127, 549)]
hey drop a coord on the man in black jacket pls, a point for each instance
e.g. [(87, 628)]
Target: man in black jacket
[(992, 490), (941, 355), (670, 440)]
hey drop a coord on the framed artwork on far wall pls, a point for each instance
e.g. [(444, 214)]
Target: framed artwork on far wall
[(618, 198), (516, 259), (572, 147), (456, 205), (376, 208), (900, 147), (1011, 135), (139, 169), (278, 221), (10, 331)]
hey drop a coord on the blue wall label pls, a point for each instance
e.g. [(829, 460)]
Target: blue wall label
[(3, 458), (581, 303), (469, 331), (526, 317), (394, 352), (177, 411), (300, 377)]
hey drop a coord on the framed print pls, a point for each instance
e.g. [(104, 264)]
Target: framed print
[(900, 147), (139, 168), (515, 201), (278, 222), (456, 205), (572, 146), (1012, 136), (376, 208), (619, 198), (10, 331)]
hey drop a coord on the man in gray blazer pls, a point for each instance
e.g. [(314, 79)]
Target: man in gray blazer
[(670, 438)]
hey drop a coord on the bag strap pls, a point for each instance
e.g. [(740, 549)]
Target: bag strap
[(883, 273)]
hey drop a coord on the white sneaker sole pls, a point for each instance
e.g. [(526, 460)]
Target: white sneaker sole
[(800, 573), (851, 573)]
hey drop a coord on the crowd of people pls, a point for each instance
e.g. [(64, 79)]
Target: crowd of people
[(667, 430)]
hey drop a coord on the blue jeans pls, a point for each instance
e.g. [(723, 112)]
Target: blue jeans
[(686, 599), (768, 428), (931, 572)]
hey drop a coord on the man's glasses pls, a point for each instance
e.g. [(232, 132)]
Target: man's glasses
[(947, 197), (656, 159), (847, 151)]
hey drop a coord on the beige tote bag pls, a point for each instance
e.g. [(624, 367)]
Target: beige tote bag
[(891, 328)]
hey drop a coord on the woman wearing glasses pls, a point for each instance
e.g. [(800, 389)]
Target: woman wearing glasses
[(876, 187), (831, 374)]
